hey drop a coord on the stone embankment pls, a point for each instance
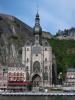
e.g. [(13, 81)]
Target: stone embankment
[(38, 94)]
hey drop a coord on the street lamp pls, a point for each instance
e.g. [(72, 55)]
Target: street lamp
[(60, 78)]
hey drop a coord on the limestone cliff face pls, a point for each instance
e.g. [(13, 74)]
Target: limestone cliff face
[(13, 34)]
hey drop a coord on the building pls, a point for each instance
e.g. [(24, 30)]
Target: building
[(3, 77), (17, 77), (37, 58), (67, 34), (37, 67), (70, 77)]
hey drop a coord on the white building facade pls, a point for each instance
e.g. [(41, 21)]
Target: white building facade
[(70, 77), (37, 58)]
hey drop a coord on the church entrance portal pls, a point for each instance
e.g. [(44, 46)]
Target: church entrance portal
[(36, 79)]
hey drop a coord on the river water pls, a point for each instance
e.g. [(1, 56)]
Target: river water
[(37, 98)]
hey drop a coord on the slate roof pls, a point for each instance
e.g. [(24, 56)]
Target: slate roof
[(71, 70)]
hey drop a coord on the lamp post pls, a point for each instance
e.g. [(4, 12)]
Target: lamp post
[(60, 78)]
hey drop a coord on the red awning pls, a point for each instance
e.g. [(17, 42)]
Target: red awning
[(19, 83)]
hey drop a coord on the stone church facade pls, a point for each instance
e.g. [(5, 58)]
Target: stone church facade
[(37, 58)]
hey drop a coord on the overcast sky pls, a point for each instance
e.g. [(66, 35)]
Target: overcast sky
[(54, 14)]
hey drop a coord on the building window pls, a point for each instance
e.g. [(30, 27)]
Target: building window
[(36, 54), (27, 68), (37, 38), (45, 76), (36, 66), (4, 84), (45, 59), (28, 43), (27, 76), (21, 68), (27, 49), (46, 43), (9, 73), (46, 67), (21, 74), (20, 52), (45, 49), (18, 74), (27, 60), (3, 70), (14, 74)]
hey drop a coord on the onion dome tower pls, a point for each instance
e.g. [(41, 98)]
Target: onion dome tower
[(37, 30)]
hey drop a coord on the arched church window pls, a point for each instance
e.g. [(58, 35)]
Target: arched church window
[(27, 43), (36, 54), (45, 59), (20, 51), (45, 49), (27, 60), (37, 38), (46, 43), (27, 68), (46, 67), (45, 76), (27, 76), (36, 66), (27, 49)]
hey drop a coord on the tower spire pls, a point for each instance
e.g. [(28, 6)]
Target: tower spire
[(37, 8), (37, 27), (37, 19), (37, 30)]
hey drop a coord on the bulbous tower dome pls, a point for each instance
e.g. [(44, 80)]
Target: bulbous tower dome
[(37, 28)]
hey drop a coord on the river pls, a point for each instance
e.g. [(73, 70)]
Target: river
[(37, 98)]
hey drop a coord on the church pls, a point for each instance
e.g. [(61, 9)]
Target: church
[(37, 58)]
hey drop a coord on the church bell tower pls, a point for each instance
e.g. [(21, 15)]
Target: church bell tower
[(37, 30)]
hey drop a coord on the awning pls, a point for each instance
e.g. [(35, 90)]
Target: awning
[(19, 83), (17, 87)]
